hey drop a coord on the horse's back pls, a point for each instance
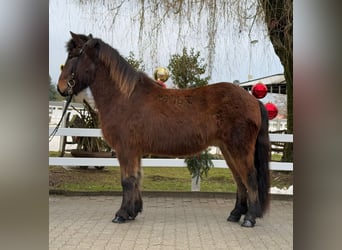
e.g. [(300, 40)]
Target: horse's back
[(236, 113), (233, 100)]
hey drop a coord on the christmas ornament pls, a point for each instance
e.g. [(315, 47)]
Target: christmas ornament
[(259, 90), (161, 74), (272, 110)]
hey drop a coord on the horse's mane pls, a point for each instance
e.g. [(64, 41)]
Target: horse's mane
[(124, 75)]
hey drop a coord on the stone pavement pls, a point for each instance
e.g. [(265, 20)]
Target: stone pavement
[(84, 222)]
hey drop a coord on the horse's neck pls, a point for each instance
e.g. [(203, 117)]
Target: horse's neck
[(110, 100), (106, 94)]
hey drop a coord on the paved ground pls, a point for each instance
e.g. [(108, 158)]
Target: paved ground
[(84, 222)]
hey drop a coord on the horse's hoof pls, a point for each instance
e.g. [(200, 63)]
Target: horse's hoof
[(118, 219), (248, 223), (131, 218), (234, 218)]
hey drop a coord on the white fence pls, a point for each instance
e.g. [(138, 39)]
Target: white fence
[(146, 162)]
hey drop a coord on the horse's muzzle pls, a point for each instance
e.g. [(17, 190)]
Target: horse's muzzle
[(64, 93)]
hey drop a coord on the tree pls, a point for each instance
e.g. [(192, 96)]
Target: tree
[(135, 63), (53, 94), (279, 21), (200, 164), (186, 69)]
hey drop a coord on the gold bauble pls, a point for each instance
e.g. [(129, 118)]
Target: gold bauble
[(161, 74)]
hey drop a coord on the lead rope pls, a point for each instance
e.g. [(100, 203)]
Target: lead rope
[(53, 133)]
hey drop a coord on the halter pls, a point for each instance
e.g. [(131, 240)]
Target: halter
[(71, 83)]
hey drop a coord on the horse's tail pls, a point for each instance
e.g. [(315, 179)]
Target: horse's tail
[(261, 160)]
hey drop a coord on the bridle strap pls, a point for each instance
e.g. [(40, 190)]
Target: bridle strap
[(71, 83), (60, 121)]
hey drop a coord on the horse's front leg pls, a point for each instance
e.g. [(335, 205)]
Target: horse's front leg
[(131, 193)]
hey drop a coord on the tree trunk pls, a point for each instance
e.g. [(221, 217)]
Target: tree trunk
[(278, 17), (196, 184)]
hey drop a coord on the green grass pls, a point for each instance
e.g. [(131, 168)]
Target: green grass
[(179, 179), (155, 179), (54, 153), (276, 157)]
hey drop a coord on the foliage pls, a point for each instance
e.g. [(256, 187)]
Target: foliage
[(186, 69), (88, 118), (53, 94), (205, 16), (200, 164), (135, 63)]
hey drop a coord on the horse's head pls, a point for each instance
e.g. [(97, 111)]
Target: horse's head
[(79, 70)]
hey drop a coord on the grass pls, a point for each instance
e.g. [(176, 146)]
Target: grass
[(155, 179)]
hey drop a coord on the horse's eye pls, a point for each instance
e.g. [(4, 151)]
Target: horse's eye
[(61, 67)]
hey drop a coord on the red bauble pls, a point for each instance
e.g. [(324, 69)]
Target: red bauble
[(259, 90), (272, 110)]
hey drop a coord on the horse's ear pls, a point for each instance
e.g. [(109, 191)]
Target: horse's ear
[(90, 36), (92, 43), (77, 39), (73, 35), (96, 44), (91, 47)]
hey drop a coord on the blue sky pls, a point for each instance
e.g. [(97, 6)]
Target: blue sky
[(235, 56)]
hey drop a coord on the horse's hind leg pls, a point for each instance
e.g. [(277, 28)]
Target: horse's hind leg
[(247, 201), (249, 179), (240, 207), (131, 194)]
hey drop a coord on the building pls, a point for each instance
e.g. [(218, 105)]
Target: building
[(276, 84)]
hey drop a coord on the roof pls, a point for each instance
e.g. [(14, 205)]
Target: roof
[(275, 83)]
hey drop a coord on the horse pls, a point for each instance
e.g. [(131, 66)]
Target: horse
[(139, 117)]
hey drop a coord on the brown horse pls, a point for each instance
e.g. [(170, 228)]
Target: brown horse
[(139, 117)]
